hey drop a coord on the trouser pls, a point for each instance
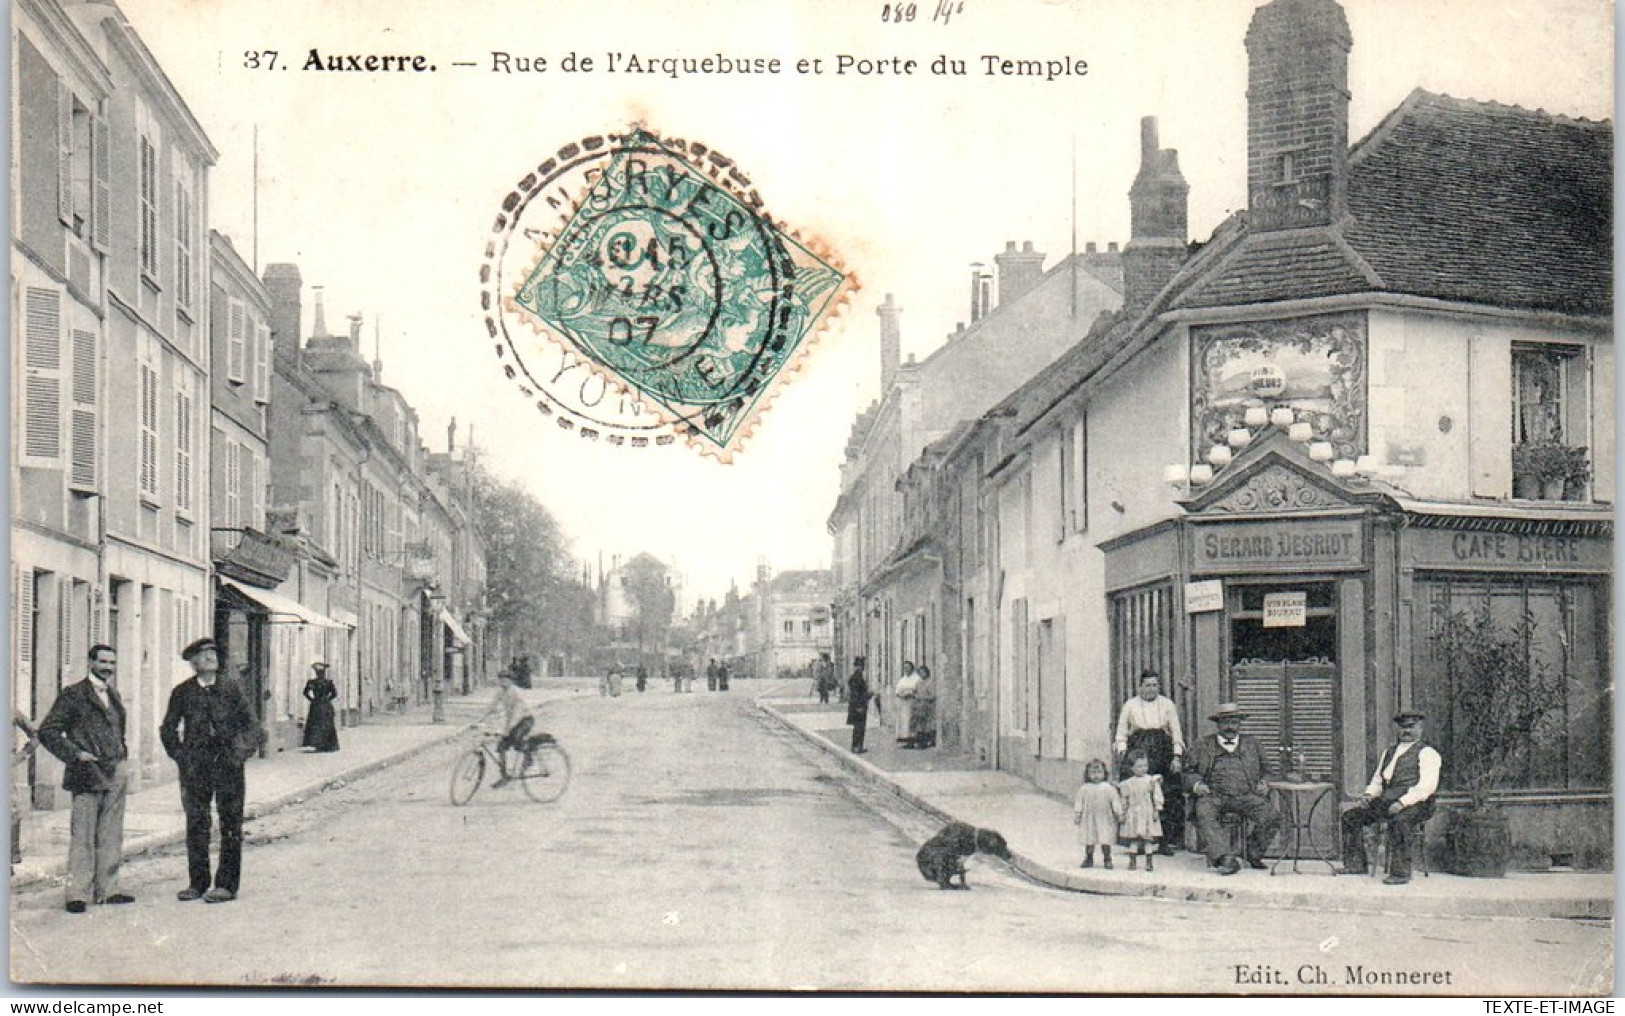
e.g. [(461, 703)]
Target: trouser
[(823, 696), (1403, 829), (220, 783), (1255, 808), (96, 839), (858, 729)]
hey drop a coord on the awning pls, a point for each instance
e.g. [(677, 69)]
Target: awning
[(287, 610), (457, 634)]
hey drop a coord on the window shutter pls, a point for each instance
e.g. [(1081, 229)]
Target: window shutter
[(42, 379), (1314, 690), (256, 486), (64, 153), (22, 634), (82, 427), (262, 364), (101, 190), (234, 484), (234, 344), (183, 451), (149, 430)]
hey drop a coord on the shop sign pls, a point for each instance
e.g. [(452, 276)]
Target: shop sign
[(1278, 546), (1203, 596), (1286, 609), (1521, 552)]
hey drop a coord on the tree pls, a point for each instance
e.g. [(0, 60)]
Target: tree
[(648, 588), (532, 593)]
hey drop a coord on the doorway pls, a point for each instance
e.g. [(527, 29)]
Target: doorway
[(1284, 673)]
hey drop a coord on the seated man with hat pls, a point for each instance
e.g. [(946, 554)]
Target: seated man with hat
[(1400, 794), (1228, 779)]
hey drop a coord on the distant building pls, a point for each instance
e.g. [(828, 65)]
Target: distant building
[(796, 624)]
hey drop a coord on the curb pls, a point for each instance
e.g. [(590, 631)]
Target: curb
[(53, 872), (1560, 908)]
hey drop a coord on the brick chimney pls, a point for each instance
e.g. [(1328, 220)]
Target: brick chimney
[(1019, 271), (1297, 114), (891, 342), (1158, 221), (282, 281)]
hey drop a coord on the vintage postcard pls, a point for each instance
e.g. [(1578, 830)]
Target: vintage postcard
[(622, 495)]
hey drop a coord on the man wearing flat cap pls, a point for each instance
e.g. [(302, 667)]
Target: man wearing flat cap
[(1400, 794), (210, 730), (1228, 779)]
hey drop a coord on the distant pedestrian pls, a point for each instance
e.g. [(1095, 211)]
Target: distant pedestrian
[(904, 691), (85, 729), (615, 682), (1096, 810), (824, 678), (321, 729), (1142, 805), (857, 704), (642, 677), (922, 718), (22, 749), (210, 730), (711, 675), (722, 676)]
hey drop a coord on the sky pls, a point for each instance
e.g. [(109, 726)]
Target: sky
[(382, 187)]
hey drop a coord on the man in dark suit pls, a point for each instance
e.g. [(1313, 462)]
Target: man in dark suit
[(1228, 779), (210, 731), (85, 729), (857, 704), (1400, 794)]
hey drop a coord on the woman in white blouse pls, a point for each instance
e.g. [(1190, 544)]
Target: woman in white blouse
[(1149, 722)]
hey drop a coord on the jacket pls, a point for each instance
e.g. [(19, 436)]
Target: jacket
[(77, 722), (857, 698), (1249, 751), (209, 726)]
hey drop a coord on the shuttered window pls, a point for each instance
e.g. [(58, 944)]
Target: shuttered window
[(183, 451), (262, 363), (101, 192), (1142, 623), (234, 484), (149, 208), (22, 638), (236, 339), (183, 244), (82, 425), (42, 378), (256, 489), (64, 153), (149, 430)]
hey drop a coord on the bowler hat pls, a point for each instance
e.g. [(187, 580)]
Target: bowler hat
[(1409, 714), (197, 647), (320, 668), (1228, 709)]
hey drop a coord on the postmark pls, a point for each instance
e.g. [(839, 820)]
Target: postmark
[(638, 293)]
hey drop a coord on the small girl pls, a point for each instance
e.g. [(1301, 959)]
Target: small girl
[(1142, 803), (1096, 811)]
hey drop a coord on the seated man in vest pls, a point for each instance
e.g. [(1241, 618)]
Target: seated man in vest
[(1228, 779), (1401, 794)]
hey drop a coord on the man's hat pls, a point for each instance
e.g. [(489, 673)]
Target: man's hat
[(857, 661), (1409, 714), (197, 647), (1228, 709), (320, 668)]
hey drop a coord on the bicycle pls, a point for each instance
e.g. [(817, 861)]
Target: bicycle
[(544, 773)]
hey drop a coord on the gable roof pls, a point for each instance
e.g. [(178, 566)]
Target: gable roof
[(1452, 199)]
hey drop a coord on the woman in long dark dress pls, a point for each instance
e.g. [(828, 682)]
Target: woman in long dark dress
[(321, 732)]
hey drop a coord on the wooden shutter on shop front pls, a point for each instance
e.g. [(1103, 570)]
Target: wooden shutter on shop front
[(1260, 693), (42, 378), (1313, 691), (82, 420)]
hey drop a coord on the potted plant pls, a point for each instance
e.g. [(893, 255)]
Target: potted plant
[(1548, 469), (1504, 701)]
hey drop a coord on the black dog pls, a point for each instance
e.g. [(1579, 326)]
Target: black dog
[(943, 855)]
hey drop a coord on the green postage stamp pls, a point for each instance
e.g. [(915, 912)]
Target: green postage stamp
[(638, 293)]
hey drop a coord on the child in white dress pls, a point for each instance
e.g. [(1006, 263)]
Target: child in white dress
[(1142, 806), (1096, 811)]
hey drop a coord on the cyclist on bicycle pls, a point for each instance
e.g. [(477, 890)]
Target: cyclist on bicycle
[(517, 721)]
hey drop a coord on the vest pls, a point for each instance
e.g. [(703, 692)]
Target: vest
[(1230, 774), (1407, 771)]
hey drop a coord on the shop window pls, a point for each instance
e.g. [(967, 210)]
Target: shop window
[(1142, 623), (1564, 626)]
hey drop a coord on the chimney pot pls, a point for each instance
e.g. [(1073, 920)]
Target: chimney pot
[(1089, 248), (1111, 248), (1148, 138), (1010, 246), (1027, 247)]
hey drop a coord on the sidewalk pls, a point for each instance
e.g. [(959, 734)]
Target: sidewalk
[(153, 818), (1039, 829)]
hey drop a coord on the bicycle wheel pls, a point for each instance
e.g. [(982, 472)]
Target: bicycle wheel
[(547, 776), (466, 774)]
